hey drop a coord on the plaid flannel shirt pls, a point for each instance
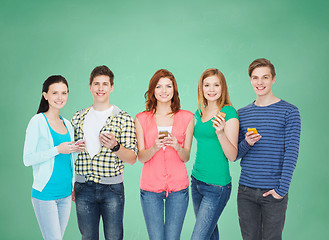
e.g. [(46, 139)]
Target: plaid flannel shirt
[(105, 163)]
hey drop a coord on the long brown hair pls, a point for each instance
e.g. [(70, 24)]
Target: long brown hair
[(224, 99), (151, 102)]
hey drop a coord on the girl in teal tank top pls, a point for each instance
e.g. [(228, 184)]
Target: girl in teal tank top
[(60, 182), (49, 150)]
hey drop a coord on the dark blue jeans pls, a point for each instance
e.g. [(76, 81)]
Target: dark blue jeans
[(260, 217), (208, 203), (164, 215), (94, 200)]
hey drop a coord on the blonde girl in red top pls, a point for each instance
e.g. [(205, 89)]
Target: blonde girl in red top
[(164, 179)]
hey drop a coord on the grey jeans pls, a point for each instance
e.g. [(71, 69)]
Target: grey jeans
[(261, 218)]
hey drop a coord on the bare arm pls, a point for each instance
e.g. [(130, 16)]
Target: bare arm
[(229, 137), (145, 155), (126, 155)]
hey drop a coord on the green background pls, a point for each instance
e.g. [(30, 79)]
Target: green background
[(136, 38)]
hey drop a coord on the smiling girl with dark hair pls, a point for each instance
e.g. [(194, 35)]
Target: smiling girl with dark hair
[(49, 150)]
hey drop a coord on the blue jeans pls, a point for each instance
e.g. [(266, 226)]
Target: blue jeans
[(164, 215), (260, 217), (94, 200), (208, 203), (52, 216)]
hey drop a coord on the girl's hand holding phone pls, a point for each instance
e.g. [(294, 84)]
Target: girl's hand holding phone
[(219, 123), (67, 147), (158, 143), (171, 141)]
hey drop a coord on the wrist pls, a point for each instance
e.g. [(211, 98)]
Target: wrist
[(247, 143), (58, 149), (116, 147), (220, 133), (278, 192), (155, 148), (178, 148)]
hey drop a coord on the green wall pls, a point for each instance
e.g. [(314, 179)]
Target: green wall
[(136, 38)]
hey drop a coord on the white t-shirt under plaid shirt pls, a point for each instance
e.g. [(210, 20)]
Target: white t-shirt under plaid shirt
[(94, 122)]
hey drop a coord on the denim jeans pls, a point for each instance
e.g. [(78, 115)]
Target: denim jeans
[(208, 203), (164, 215), (95, 200), (260, 217), (52, 216)]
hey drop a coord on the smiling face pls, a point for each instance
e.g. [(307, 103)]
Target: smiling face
[(101, 89), (56, 96), (262, 81), (212, 89), (164, 90)]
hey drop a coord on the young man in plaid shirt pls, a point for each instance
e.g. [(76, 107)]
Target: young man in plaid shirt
[(110, 139)]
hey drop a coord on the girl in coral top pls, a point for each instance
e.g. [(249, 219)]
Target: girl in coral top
[(164, 138)]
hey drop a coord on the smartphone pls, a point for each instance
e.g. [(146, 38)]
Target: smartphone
[(165, 133), (105, 132), (80, 141), (254, 130)]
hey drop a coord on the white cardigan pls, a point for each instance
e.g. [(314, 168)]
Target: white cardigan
[(39, 150)]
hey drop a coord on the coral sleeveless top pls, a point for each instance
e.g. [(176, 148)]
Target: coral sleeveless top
[(165, 171)]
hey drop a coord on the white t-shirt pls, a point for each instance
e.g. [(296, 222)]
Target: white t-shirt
[(94, 122)]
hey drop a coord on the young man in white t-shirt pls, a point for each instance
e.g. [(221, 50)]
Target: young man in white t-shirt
[(110, 139)]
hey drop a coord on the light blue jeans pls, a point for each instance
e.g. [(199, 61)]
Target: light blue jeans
[(52, 216), (208, 203), (164, 215)]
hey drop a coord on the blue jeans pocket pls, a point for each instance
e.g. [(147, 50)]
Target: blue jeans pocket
[(117, 188), (275, 199)]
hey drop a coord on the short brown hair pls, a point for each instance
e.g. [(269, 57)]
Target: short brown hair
[(261, 62), (224, 99), (99, 71), (151, 102)]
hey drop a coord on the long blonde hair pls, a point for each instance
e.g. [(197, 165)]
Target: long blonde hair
[(224, 99)]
